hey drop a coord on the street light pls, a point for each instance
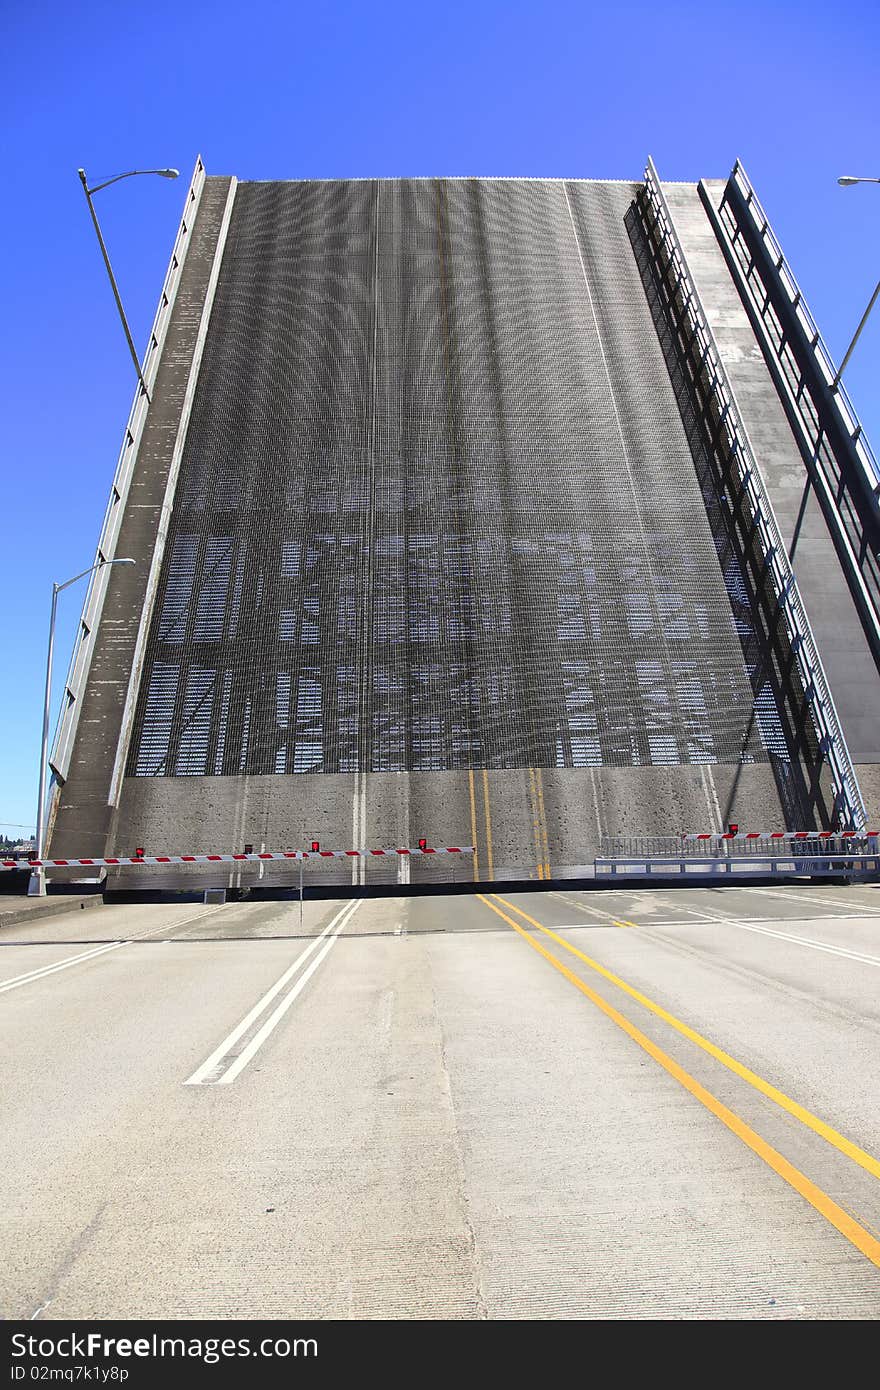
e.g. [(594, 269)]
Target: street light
[(132, 173), (847, 181), (37, 885)]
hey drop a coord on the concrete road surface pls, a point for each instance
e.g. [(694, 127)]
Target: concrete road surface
[(631, 1104)]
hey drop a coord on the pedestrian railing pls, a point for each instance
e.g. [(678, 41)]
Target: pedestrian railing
[(782, 863), (729, 440)]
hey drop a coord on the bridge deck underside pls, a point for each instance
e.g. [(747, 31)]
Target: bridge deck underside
[(438, 513)]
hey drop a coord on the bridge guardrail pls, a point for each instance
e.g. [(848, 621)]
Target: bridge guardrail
[(770, 863), (837, 455), (730, 437)]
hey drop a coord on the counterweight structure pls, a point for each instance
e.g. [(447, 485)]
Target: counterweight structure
[(481, 510)]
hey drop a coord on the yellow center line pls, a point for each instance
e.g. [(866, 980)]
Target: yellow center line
[(831, 1136), (476, 854), (533, 800), (489, 862), (542, 819), (868, 1244)]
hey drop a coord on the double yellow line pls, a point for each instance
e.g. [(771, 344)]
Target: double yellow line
[(539, 825), (863, 1240), (539, 822), (490, 860)]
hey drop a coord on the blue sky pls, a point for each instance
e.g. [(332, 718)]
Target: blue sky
[(272, 90)]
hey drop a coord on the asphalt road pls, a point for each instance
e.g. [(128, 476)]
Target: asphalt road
[(633, 1104)]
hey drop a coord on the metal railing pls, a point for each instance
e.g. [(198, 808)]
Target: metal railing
[(710, 379), (820, 845), (772, 863), (93, 603), (838, 458), (847, 409)]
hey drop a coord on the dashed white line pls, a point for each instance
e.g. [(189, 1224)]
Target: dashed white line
[(215, 1071)]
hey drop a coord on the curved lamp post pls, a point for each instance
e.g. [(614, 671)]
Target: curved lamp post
[(132, 173), (37, 885), (847, 181)]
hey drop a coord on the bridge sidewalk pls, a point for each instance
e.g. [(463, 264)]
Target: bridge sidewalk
[(15, 910)]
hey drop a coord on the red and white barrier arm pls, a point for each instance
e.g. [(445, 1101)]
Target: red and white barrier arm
[(785, 835), (294, 854)]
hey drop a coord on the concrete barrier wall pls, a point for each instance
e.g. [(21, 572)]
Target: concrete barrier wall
[(527, 823)]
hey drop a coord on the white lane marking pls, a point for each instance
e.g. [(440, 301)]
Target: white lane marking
[(583, 907), (362, 863), (704, 915), (205, 1075), (577, 926), (276, 1016), (355, 827), (278, 1013), (768, 931), (730, 921), (711, 796), (600, 830), (743, 926), (640, 905), (802, 899), (702, 912), (807, 941), (38, 974)]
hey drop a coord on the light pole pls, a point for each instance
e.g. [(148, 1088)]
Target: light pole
[(133, 173), (847, 181), (37, 885)]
